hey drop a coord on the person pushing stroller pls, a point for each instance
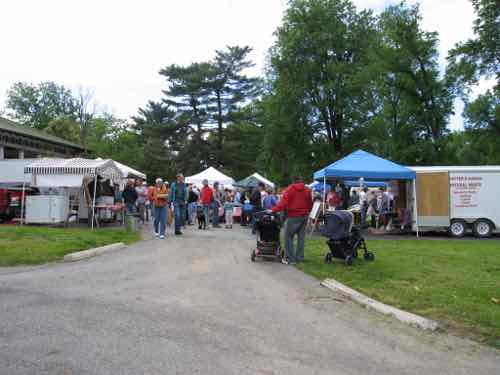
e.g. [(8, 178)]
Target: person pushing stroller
[(297, 201)]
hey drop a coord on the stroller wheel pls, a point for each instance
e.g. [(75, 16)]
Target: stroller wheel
[(369, 256), (328, 258), (252, 256), (349, 260)]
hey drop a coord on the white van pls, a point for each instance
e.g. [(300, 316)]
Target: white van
[(458, 199)]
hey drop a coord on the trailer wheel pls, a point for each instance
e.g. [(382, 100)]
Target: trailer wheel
[(458, 228), (482, 228)]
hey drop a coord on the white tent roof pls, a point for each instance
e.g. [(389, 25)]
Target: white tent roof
[(263, 179), (70, 172), (127, 171), (212, 175)]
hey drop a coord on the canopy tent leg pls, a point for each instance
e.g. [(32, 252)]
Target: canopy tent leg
[(93, 200), (416, 204), (324, 194), (22, 204)]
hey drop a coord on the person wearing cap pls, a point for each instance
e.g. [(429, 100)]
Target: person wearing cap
[(160, 202), (179, 197)]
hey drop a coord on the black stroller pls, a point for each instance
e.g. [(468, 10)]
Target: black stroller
[(268, 237), (344, 239)]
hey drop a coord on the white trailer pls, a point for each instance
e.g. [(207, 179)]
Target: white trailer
[(458, 200)]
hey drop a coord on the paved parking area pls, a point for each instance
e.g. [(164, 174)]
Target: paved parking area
[(196, 305)]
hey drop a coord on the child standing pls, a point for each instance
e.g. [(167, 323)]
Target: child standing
[(228, 209)]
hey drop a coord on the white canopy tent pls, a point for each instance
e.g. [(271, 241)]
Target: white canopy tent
[(128, 172), (263, 179), (70, 173), (211, 175)]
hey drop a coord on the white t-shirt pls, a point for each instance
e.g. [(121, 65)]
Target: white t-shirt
[(362, 197)]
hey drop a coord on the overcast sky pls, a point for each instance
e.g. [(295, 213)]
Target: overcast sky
[(116, 47)]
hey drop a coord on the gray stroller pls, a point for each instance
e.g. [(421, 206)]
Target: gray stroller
[(344, 239)]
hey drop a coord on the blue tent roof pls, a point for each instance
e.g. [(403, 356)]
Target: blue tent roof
[(368, 166)]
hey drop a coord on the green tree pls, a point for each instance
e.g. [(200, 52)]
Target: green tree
[(478, 57), (163, 139), (65, 128), (37, 105), (113, 138), (414, 102), (470, 61), (319, 58), (188, 95), (229, 89)]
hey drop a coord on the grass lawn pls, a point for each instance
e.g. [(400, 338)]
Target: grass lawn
[(454, 282), (35, 245)]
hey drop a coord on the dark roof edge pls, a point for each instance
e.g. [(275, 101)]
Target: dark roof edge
[(14, 127)]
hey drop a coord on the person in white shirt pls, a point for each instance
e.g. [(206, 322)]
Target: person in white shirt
[(363, 204)]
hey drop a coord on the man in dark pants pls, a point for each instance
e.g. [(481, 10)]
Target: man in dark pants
[(179, 196), (297, 201), (130, 197), (256, 202)]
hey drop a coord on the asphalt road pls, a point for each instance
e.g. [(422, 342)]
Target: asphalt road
[(196, 305)]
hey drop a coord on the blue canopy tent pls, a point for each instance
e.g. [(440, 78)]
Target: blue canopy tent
[(362, 164), (369, 167)]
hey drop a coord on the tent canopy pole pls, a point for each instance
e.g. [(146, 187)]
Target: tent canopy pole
[(324, 194), (22, 203), (93, 200), (416, 204)]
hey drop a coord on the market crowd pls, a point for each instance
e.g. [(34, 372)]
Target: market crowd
[(182, 204)]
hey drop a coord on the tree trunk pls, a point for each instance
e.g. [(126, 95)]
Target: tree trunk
[(219, 125)]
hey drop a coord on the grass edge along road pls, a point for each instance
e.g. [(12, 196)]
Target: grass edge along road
[(37, 245), (454, 282)]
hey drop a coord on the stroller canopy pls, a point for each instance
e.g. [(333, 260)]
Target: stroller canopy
[(362, 164), (338, 225)]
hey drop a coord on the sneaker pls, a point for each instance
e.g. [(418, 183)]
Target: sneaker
[(162, 237), (178, 233), (157, 234), (284, 261)]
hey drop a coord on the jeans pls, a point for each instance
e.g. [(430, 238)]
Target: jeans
[(130, 208), (364, 208), (229, 217), (206, 213), (191, 212), (179, 213), (215, 212), (141, 207), (295, 226), (148, 211), (160, 220)]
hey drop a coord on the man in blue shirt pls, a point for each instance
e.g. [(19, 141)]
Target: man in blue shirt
[(178, 197)]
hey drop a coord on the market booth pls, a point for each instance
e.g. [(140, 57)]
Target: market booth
[(78, 186), (366, 168), (253, 181), (211, 175)]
